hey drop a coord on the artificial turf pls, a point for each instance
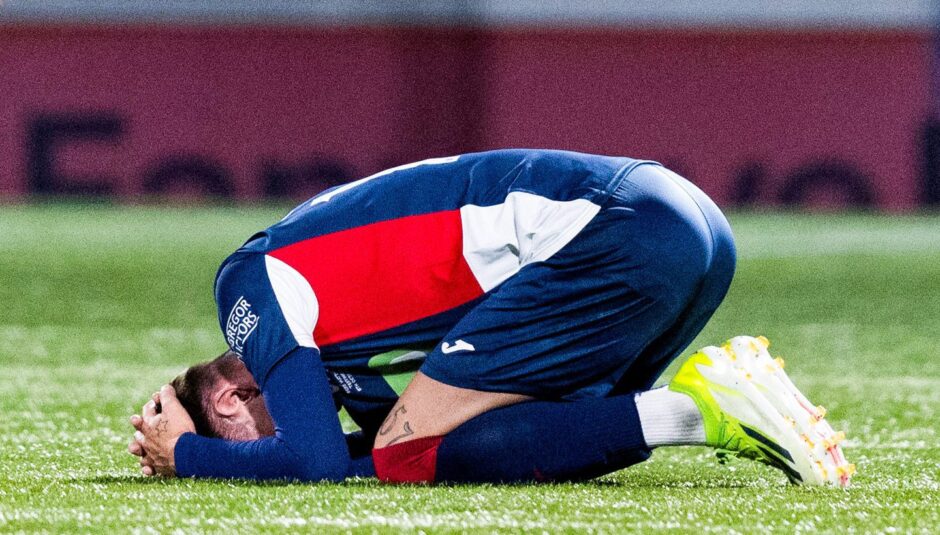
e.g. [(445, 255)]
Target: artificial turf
[(99, 305)]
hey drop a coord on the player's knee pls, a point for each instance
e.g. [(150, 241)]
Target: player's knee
[(414, 461)]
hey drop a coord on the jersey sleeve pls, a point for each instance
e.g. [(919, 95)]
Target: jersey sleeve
[(266, 309)]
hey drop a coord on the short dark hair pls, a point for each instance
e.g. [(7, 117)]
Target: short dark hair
[(195, 386)]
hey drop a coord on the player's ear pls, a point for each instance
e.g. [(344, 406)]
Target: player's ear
[(227, 401)]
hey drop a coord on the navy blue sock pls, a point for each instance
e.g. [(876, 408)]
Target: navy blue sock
[(544, 441)]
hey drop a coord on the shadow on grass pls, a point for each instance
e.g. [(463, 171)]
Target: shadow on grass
[(121, 480), (636, 485), (160, 481), (645, 483)]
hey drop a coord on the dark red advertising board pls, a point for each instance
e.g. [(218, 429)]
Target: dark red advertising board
[(245, 111)]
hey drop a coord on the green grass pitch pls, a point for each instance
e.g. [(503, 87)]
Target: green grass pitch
[(101, 305)]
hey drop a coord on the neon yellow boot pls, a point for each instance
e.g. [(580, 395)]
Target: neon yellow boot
[(751, 409)]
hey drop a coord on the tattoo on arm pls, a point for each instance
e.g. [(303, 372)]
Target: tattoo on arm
[(391, 423)]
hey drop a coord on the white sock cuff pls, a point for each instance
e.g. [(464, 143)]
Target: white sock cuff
[(669, 418)]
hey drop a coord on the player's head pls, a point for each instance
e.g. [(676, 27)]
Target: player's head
[(223, 399)]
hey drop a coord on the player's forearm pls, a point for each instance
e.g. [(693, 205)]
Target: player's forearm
[(265, 459), (198, 456)]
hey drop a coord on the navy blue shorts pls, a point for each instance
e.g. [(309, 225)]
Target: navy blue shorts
[(610, 310)]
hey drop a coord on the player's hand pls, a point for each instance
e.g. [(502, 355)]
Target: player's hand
[(134, 447), (159, 431)]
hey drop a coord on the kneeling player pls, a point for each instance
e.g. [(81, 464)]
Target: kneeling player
[(554, 288)]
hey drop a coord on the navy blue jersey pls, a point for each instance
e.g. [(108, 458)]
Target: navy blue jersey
[(396, 259), (552, 274)]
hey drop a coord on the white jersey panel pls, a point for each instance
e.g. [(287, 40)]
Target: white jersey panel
[(499, 240), (294, 295)]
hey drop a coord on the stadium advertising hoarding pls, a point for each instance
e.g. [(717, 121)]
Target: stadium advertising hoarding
[(760, 115)]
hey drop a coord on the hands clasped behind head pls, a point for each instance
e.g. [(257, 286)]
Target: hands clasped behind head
[(157, 429)]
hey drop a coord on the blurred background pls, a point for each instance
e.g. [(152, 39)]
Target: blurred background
[(823, 104), (164, 133)]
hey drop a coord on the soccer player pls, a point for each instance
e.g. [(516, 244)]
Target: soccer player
[(548, 289)]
